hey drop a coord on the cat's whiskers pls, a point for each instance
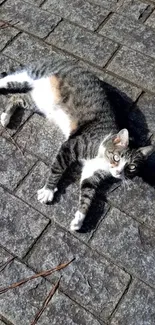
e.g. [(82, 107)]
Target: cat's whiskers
[(125, 184)]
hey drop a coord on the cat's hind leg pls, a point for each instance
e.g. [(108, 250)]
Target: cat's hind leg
[(19, 82), (14, 102)]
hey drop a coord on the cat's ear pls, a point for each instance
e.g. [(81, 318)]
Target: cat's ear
[(147, 151), (122, 138)]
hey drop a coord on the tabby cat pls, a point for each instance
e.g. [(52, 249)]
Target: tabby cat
[(77, 101)]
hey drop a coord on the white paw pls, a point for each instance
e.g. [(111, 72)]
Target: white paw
[(5, 119), (77, 222), (46, 195)]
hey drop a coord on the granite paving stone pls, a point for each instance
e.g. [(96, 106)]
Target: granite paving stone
[(65, 202), (40, 137), (26, 301), (128, 243), (7, 33), (35, 50), (131, 33), (137, 307), (90, 280), (7, 64), (21, 14), (97, 285), (134, 67), (79, 11), (138, 205), (20, 225), (13, 164), (79, 42), (110, 4), (37, 3), (139, 10), (151, 20), (56, 246)]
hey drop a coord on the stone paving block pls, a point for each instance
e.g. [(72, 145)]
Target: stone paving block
[(131, 33), (137, 307), (134, 67), (132, 92), (41, 137), (20, 225), (7, 64), (37, 3), (128, 243), (6, 35), (27, 299), (22, 15), (110, 4), (13, 165), (65, 203), (36, 50), (151, 20), (82, 43), (136, 9), (137, 200), (79, 11), (90, 280)]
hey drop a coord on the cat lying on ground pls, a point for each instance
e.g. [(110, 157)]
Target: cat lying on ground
[(77, 102)]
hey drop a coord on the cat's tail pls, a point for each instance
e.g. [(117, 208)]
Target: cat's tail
[(19, 82)]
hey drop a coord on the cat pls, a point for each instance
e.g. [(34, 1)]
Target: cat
[(77, 101)]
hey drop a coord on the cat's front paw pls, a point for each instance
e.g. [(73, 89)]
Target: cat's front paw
[(46, 195), (5, 119), (77, 222)]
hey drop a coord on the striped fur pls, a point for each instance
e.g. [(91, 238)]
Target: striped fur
[(89, 113)]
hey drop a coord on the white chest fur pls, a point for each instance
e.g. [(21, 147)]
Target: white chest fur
[(44, 99), (93, 165)]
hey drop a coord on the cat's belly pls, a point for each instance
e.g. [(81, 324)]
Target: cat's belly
[(46, 100)]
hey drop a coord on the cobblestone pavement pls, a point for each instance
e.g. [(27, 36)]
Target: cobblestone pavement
[(112, 280)]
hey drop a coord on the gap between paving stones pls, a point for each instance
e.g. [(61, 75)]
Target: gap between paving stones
[(121, 299)]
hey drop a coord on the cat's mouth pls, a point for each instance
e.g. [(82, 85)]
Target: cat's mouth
[(117, 174)]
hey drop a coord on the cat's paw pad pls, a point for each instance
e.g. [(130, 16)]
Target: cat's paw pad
[(5, 119), (45, 195), (77, 222)]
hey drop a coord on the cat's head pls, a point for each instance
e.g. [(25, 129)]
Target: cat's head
[(120, 159)]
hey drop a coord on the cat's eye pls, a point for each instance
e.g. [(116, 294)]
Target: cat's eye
[(116, 158), (132, 167)]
